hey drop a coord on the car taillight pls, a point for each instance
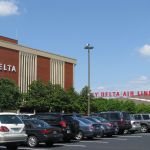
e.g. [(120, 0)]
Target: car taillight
[(91, 127), (63, 124), (45, 131), (4, 129), (109, 124), (121, 122)]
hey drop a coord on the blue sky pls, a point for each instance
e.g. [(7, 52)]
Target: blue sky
[(119, 30)]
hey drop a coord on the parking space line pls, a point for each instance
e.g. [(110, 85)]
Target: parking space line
[(28, 148), (131, 136), (123, 139), (72, 145), (103, 142)]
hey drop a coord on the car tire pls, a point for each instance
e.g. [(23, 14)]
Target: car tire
[(144, 128), (12, 147), (121, 132), (102, 134), (32, 141), (79, 136)]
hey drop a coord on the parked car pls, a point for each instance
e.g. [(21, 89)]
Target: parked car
[(109, 128), (144, 120), (88, 129), (120, 117), (69, 126), (12, 133), (39, 131), (136, 126)]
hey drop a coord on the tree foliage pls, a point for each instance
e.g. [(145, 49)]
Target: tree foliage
[(10, 96), (50, 97)]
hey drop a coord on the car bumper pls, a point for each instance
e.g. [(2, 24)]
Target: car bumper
[(110, 131), (54, 138), (135, 128), (5, 138)]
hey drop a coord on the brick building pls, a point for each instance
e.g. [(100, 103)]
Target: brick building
[(24, 65)]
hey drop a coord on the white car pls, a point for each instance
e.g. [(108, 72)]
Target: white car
[(12, 131), (136, 126)]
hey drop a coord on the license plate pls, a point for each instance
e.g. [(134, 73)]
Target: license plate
[(54, 132), (15, 129)]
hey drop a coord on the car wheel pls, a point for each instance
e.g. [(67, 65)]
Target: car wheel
[(32, 141), (144, 128), (102, 134), (121, 132), (79, 136), (12, 147)]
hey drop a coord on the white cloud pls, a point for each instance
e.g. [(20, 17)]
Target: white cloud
[(100, 88), (140, 80), (140, 83), (8, 8), (145, 50)]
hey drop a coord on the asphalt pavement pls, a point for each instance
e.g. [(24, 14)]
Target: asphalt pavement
[(138, 141)]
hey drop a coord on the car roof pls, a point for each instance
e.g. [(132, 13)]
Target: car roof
[(7, 113), (113, 112)]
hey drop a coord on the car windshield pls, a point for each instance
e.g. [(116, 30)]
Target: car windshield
[(10, 119)]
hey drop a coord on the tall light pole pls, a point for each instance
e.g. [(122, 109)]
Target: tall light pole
[(88, 47)]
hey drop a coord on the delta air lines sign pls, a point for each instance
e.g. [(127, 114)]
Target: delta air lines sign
[(7, 68), (121, 94)]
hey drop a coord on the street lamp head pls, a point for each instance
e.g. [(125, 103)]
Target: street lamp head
[(88, 46)]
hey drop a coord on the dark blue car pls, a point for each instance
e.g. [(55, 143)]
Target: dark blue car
[(39, 131), (88, 129)]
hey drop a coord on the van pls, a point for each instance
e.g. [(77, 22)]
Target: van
[(120, 117)]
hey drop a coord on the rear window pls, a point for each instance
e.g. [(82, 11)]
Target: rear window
[(49, 117), (10, 119), (126, 116), (67, 118), (146, 117), (104, 115), (40, 123), (137, 117), (114, 116)]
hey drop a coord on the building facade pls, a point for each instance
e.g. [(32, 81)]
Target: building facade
[(24, 65)]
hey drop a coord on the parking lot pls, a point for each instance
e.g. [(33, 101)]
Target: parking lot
[(139, 141)]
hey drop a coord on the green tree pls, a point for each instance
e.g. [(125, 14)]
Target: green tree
[(60, 99), (36, 95), (73, 100), (128, 106), (10, 96), (142, 108), (83, 100)]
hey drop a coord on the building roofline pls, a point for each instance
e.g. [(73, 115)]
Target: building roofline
[(26, 49)]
